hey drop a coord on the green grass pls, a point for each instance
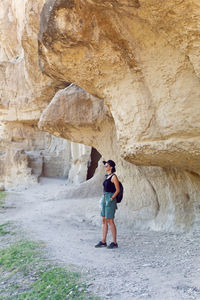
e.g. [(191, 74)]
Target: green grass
[(55, 284), (2, 195), (2, 230), (2, 199), (26, 274), (19, 257)]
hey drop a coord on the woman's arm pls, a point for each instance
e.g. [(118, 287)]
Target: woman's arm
[(116, 183)]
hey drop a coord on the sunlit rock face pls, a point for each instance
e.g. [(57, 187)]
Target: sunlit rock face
[(24, 90), (80, 157), (25, 152), (78, 116), (141, 57)]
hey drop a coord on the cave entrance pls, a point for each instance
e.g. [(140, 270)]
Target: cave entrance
[(93, 164)]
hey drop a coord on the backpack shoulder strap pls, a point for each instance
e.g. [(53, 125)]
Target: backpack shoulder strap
[(115, 176)]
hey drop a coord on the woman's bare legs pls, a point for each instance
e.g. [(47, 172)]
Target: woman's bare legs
[(104, 229), (113, 229)]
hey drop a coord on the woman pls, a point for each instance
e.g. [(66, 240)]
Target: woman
[(109, 205)]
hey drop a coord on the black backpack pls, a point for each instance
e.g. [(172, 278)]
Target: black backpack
[(120, 195)]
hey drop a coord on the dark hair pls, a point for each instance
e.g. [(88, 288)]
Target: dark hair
[(111, 163), (113, 169)]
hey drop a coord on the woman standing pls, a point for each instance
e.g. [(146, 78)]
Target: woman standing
[(109, 204)]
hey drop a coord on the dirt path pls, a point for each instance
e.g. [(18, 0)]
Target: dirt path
[(147, 265)]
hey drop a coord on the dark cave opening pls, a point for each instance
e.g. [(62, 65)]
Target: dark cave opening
[(93, 164)]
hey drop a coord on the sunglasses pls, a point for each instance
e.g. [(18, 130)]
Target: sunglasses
[(105, 166)]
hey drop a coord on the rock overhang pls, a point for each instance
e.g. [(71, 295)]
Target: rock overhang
[(122, 54)]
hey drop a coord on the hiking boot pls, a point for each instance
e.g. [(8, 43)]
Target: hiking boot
[(112, 245), (100, 244)]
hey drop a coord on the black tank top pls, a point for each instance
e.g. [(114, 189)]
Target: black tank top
[(109, 185)]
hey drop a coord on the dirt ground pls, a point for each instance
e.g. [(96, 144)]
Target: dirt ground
[(147, 264)]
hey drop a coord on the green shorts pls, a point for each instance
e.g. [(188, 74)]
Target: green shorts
[(108, 207)]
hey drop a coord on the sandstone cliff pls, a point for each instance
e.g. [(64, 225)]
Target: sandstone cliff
[(135, 96)]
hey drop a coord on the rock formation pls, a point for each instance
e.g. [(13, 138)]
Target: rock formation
[(130, 55), (135, 96), (26, 154), (164, 198)]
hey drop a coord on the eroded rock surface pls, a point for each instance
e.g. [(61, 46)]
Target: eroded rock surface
[(26, 154), (151, 193), (78, 116), (135, 96), (24, 90), (24, 93), (141, 58)]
